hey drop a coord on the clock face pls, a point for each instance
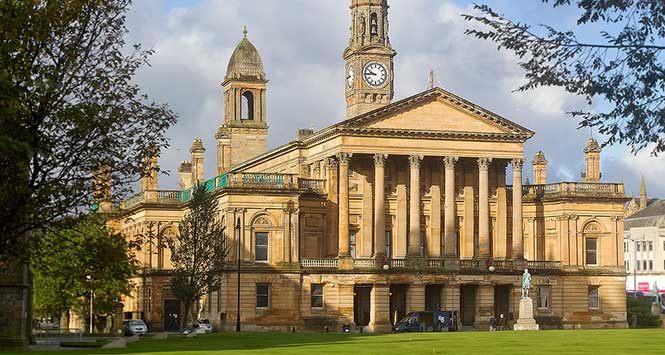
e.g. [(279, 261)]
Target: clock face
[(375, 74), (350, 76)]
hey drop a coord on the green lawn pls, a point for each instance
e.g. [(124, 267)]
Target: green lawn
[(649, 341)]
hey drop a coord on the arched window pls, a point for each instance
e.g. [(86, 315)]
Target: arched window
[(591, 233), (373, 24), (247, 106)]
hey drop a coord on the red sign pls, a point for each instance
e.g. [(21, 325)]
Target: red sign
[(643, 286)]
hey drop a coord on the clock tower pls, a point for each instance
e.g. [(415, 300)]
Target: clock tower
[(369, 67)]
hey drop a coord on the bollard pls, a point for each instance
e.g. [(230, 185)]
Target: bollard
[(293, 329)]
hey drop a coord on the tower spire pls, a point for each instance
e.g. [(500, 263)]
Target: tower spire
[(643, 194)]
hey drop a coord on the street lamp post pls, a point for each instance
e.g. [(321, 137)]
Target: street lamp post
[(92, 296), (237, 230)]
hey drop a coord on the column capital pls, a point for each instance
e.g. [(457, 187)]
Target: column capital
[(344, 158), (484, 163), (414, 161), (517, 163), (331, 162), (380, 159), (450, 162)]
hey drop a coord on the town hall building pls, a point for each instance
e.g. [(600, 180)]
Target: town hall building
[(401, 206)]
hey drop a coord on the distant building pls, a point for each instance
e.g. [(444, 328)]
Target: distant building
[(644, 246)]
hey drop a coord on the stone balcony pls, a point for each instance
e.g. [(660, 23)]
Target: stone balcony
[(437, 265), (230, 181), (570, 189)]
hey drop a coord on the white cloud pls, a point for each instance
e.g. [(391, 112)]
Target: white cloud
[(301, 42)]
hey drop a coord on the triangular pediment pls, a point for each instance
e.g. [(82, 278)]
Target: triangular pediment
[(437, 110)]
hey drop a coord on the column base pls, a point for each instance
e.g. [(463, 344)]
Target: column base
[(380, 328), (344, 262)]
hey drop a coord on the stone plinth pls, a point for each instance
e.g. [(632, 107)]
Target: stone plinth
[(655, 309), (525, 320)]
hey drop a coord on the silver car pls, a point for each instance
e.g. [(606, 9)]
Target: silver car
[(134, 327)]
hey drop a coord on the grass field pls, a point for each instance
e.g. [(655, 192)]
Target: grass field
[(648, 341)]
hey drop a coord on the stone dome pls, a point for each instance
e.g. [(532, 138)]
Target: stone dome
[(245, 62), (592, 146)]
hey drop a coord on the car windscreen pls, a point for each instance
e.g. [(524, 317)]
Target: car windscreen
[(136, 322)]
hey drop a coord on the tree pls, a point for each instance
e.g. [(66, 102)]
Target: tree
[(62, 259), (623, 71), (198, 252), (69, 113)]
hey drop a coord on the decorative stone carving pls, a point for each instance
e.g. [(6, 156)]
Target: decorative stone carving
[(484, 163), (449, 162), (517, 163), (380, 159), (344, 158), (415, 160), (331, 162)]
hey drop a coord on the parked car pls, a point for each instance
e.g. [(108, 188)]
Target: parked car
[(194, 328), (437, 321), (206, 324), (47, 324), (134, 327)]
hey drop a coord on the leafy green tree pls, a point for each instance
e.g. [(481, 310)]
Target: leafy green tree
[(68, 108), (641, 309), (624, 69), (198, 252), (62, 260)]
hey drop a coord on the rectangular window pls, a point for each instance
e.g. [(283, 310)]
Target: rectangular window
[(389, 239), (627, 265), (316, 299), (262, 295), (592, 251), (443, 244), (664, 245), (650, 265), (638, 245), (594, 299), (644, 265), (352, 243), (638, 265), (261, 246), (650, 245), (543, 297)]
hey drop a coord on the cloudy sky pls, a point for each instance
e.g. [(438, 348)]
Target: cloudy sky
[(301, 43)]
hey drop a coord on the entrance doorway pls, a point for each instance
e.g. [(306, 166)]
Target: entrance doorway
[(171, 315), (361, 304), (397, 303), (468, 304), (502, 299), (433, 298)]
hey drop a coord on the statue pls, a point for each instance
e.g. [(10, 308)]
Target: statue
[(656, 291), (526, 283)]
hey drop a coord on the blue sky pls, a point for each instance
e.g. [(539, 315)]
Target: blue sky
[(301, 42)]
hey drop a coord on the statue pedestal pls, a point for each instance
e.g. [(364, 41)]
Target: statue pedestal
[(525, 320), (655, 309)]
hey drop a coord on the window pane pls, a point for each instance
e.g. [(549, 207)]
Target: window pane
[(543, 297), (317, 296), (593, 297), (262, 295), (261, 247), (591, 250), (388, 241)]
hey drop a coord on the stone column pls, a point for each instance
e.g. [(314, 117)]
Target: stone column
[(501, 237), (449, 207), (414, 206), (415, 297), (518, 245), (483, 208), (379, 206), (344, 162), (332, 207), (380, 309)]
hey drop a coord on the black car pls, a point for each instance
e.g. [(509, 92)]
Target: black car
[(437, 321)]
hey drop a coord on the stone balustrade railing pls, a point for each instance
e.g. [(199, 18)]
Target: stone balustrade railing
[(314, 185), (436, 264), (571, 189)]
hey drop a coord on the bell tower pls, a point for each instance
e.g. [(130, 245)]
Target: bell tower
[(369, 69), (245, 130)]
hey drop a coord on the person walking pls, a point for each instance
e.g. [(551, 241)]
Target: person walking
[(502, 322), (493, 323)]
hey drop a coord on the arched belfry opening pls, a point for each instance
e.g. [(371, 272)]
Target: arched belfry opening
[(247, 106), (374, 24)]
